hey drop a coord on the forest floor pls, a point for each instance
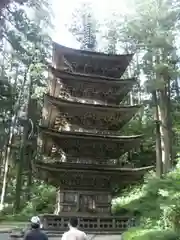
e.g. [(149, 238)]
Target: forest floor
[(8, 226)]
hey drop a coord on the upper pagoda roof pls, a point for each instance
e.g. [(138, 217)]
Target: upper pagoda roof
[(95, 63), (65, 74), (87, 116), (90, 87), (87, 145)]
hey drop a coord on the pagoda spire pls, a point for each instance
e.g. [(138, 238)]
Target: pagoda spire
[(90, 37)]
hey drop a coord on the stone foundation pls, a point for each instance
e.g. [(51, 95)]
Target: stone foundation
[(89, 224)]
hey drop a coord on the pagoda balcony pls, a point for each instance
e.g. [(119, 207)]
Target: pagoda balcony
[(93, 225), (95, 63), (88, 161), (89, 88), (61, 114), (86, 145)]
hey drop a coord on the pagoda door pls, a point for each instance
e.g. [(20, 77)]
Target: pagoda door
[(87, 203)]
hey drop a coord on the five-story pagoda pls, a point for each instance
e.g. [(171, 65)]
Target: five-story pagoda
[(80, 137)]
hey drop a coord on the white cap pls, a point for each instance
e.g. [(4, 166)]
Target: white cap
[(35, 220)]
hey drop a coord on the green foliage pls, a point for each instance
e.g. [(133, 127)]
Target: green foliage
[(156, 202), (149, 234), (43, 201), (25, 48)]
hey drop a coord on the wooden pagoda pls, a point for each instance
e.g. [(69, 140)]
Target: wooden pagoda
[(80, 137)]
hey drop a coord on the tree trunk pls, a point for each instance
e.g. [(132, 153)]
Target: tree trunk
[(6, 161), (4, 172), (170, 125), (29, 177), (158, 136), (19, 172), (23, 150), (165, 142), (177, 88)]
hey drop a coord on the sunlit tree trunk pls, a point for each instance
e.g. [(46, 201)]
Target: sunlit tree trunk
[(6, 159), (177, 88), (158, 136), (165, 142), (23, 149), (9, 143)]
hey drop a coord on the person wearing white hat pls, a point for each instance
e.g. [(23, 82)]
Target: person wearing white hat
[(35, 233)]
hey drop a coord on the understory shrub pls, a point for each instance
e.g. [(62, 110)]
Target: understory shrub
[(156, 206), (149, 234), (42, 201)]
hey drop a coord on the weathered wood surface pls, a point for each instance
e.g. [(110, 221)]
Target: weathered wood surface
[(58, 113), (94, 63), (86, 145), (88, 87)]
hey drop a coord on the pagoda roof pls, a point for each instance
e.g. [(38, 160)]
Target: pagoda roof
[(90, 87), (87, 116), (61, 166), (92, 62), (89, 135), (65, 74), (81, 144), (88, 179)]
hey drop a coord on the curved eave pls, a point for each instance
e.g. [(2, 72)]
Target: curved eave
[(98, 118), (58, 167), (94, 62), (56, 177), (96, 107), (89, 136), (85, 145), (91, 78), (99, 55), (89, 87)]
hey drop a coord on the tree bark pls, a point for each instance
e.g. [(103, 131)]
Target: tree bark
[(158, 136), (177, 88), (165, 142), (6, 159), (23, 150), (29, 174)]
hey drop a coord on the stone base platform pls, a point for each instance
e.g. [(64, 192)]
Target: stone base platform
[(88, 224), (96, 228)]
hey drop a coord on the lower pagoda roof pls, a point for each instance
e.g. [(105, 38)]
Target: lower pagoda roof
[(89, 87), (60, 112), (95, 63), (78, 178), (80, 144), (61, 166)]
